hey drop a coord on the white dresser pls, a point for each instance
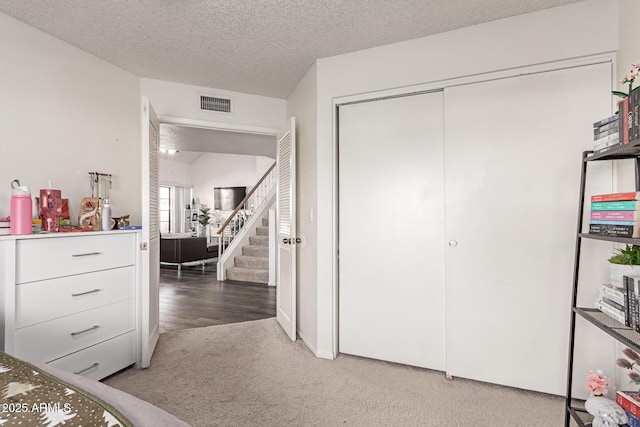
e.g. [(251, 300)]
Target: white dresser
[(69, 300)]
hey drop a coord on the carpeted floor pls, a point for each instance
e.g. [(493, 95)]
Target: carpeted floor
[(251, 374)]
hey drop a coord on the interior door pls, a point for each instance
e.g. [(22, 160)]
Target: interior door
[(286, 230), (391, 230), (512, 159), (150, 236)]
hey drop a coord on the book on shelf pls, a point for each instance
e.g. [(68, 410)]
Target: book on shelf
[(631, 305), (634, 107), (607, 148), (632, 420), (613, 293), (5, 231), (599, 146), (628, 400), (616, 197), (612, 312), (625, 205), (606, 120), (608, 222), (623, 113), (614, 230), (606, 138), (601, 133), (623, 216), (611, 126)]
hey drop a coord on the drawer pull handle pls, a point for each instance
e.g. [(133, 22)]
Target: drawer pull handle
[(73, 334), (87, 254), (82, 371), (85, 293)]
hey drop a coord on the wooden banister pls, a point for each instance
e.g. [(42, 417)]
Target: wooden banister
[(237, 209)]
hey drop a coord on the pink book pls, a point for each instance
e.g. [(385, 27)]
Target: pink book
[(631, 216)]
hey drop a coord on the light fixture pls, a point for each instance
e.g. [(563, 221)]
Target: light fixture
[(172, 151)]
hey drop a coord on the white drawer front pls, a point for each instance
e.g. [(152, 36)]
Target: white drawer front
[(39, 259), (56, 338), (44, 300), (100, 360)]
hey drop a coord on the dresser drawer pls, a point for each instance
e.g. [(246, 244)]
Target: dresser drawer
[(100, 360), (56, 338), (48, 258), (44, 300)]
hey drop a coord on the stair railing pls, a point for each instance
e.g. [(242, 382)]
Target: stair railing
[(245, 209)]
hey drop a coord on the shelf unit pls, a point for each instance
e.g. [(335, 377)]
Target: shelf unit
[(623, 334)]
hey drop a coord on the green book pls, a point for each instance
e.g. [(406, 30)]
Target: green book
[(629, 205)]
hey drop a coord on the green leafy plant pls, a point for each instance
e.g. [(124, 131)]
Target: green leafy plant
[(204, 216), (629, 255)]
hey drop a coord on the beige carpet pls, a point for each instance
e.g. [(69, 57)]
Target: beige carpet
[(251, 374)]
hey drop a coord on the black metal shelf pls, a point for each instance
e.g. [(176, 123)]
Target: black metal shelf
[(627, 240), (613, 328), (617, 330), (630, 150)]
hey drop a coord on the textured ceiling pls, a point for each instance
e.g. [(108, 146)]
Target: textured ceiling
[(261, 47)]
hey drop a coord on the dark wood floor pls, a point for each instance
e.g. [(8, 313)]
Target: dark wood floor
[(193, 298)]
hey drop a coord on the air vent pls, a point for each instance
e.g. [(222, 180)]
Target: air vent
[(212, 103)]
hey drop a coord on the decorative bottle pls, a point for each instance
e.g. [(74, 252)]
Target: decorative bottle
[(106, 216)]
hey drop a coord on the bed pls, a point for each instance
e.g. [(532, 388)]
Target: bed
[(40, 395)]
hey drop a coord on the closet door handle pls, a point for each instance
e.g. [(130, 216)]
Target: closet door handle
[(82, 371), (73, 334), (85, 293)]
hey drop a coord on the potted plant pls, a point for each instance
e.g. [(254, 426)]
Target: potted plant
[(203, 219), (625, 262)]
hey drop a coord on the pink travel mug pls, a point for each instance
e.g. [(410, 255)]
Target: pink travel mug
[(50, 209)]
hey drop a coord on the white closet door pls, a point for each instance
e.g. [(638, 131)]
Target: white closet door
[(391, 295), (512, 152)]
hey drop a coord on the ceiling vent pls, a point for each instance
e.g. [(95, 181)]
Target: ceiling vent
[(215, 104)]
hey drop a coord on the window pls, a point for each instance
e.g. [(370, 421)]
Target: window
[(164, 195)]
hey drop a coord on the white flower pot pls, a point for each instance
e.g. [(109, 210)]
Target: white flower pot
[(618, 270)]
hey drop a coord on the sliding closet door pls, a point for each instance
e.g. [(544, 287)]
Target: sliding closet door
[(512, 152), (391, 230)]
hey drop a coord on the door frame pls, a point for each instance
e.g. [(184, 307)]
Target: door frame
[(407, 91)]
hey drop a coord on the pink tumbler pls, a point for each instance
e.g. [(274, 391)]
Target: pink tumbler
[(50, 209), (21, 209)]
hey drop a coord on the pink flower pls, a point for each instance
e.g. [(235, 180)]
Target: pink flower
[(597, 383)]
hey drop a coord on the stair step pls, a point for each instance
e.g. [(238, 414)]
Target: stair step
[(253, 275), (265, 222), (259, 240), (262, 231), (251, 261), (253, 250)]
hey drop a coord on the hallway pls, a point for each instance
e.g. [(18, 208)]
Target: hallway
[(194, 298)]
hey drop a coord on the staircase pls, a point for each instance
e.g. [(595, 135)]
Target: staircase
[(253, 265)]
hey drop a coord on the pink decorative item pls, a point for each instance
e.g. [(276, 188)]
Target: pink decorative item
[(21, 209), (50, 209)]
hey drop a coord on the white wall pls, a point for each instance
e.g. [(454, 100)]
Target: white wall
[(302, 103), (551, 35), (176, 100), (174, 173), (64, 113), (221, 170)]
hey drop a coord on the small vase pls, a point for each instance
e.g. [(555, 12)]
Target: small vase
[(606, 412)]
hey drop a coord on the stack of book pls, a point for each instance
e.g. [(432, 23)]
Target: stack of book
[(5, 227), (616, 214), (628, 400), (606, 134), (614, 302)]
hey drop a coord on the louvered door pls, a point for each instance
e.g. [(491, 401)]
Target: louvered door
[(286, 230), (150, 236)]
